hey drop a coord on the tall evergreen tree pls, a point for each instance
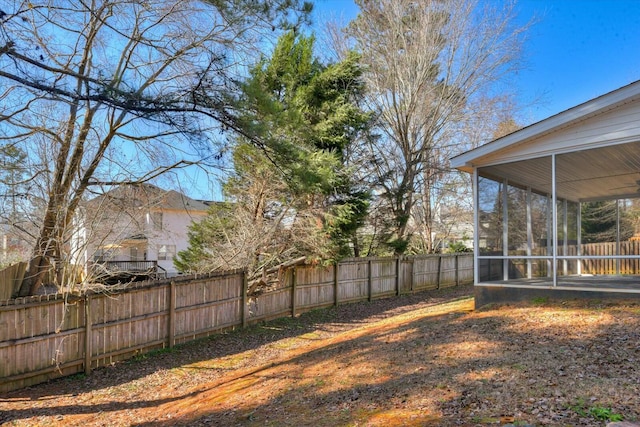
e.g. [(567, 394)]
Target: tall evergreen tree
[(305, 115), (599, 221)]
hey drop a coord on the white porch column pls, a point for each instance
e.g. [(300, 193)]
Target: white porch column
[(565, 232), (554, 222), (579, 237), (476, 227), (505, 231), (529, 234), (617, 236), (549, 234)]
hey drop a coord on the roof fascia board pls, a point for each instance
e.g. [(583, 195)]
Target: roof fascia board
[(187, 209), (465, 161)]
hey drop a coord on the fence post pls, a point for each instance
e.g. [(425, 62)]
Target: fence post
[(413, 271), (457, 270), (293, 292), (172, 313), (335, 283), (245, 289), (439, 271), (398, 276), (87, 334), (370, 281)]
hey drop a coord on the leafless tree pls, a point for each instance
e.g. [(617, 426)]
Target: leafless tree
[(261, 227), (101, 92), (431, 68)]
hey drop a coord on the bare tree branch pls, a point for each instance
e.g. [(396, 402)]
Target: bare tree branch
[(428, 65)]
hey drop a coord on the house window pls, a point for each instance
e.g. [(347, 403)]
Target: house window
[(102, 254), (98, 255), (166, 252), (156, 220)]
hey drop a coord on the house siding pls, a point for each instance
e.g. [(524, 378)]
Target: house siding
[(175, 228), (133, 231)]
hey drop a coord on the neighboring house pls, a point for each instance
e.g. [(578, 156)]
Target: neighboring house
[(453, 226), (135, 230), (528, 190), (13, 248)]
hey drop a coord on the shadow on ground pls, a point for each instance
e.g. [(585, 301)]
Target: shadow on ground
[(225, 344)]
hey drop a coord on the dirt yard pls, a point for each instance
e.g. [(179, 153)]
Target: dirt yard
[(419, 360)]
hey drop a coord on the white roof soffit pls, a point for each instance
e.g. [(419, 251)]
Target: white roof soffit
[(609, 172), (468, 160)]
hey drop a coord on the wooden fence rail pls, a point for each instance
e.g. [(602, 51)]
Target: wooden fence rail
[(50, 336)]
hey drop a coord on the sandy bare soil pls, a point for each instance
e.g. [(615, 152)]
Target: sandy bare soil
[(418, 360)]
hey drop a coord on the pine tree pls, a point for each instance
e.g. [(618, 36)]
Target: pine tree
[(297, 193)]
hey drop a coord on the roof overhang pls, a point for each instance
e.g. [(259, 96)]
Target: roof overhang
[(597, 148)]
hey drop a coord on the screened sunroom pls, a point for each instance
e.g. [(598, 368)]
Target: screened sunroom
[(535, 192)]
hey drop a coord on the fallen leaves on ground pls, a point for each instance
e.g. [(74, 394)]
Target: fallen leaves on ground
[(421, 359)]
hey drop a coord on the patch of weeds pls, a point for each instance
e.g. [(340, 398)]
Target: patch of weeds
[(604, 414), (579, 407), (138, 358), (143, 356), (77, 377), (600, 413), (159, 351), (278, 326), (540, 300)]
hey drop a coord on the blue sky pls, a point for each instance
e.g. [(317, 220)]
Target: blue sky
[(576, 50)]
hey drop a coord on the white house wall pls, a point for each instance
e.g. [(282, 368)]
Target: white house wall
[(109, 229), (106, 227), (175, 226)]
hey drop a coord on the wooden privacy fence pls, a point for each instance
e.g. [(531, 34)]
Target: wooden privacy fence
[(10, 279), (609, 266), (492, 269), (50, 336)]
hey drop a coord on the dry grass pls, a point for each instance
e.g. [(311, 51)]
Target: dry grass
[(425, 359)]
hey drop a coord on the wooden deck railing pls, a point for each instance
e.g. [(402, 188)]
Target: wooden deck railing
[(129, 266), (116, 271)]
